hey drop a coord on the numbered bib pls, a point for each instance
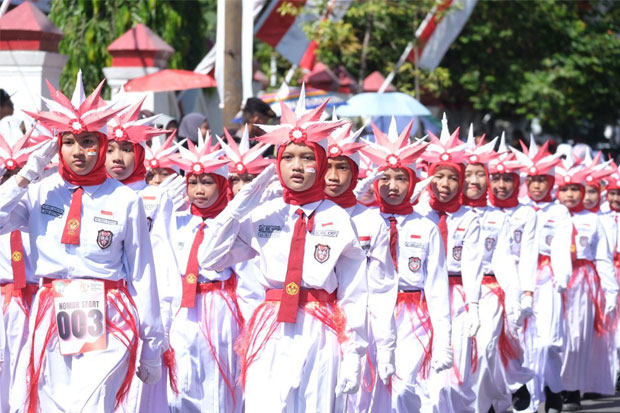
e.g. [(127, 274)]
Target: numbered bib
[(80, 315)]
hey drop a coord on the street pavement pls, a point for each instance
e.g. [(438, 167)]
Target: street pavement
[(606, 405)]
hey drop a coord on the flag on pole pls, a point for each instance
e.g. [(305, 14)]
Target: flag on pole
[(439, 30)]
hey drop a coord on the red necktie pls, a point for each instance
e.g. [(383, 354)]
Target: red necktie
[(573, 245), (615, 253), (71, 233), (394, 242), (17, 260), (443, 230), (294, 271), (191, 272)]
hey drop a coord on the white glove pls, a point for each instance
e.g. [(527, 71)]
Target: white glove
[(149, 371), (2, 170), (419, 188), (364, 185), (38, 160), (349, 374), (610, 304), (472, 319), (385, 365), (250, 195), (176, 188), (442, 358), (526, 306), (513, 311), (274, 189)]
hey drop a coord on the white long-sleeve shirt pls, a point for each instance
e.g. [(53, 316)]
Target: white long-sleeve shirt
[(497, 258), (610, 225), (522, 230), (464, 247), (114, 241), (333, 257), (554, 230), (374, 238), (422, 266), (591, 243)]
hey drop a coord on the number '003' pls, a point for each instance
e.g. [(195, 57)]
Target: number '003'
[(76, 324)]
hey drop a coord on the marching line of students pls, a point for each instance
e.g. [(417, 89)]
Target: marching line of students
[(305, 283)]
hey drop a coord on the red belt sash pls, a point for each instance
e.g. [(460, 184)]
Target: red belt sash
[(415, 303), (306, 295)]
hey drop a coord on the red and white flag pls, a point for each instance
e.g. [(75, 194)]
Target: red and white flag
[(439, 30)]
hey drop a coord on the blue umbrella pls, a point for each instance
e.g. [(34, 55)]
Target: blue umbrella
[(382, 104)]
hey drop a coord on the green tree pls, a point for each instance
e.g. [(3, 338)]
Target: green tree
[(555, 60), (91, 25)]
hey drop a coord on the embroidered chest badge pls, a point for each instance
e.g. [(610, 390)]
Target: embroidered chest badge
[(414, 264), (517, 235), (456, 253), (321, 253), (104, 238), (583, 241), (489, 243)]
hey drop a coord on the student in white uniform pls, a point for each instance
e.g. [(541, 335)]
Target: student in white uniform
[(17, 282), (459, 226), (341, 179), (499, 371), (87, 242), (544, 331), (204, 329), (591, 294), (422, 303), (303, 346), (245, 165), (125, 162)]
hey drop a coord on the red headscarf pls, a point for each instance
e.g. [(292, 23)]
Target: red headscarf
[(579, 206), (317, 191), (219, 204), (347, 199), (139, 170), (482, 200), (455, 203), (547, 197), (513, 199), (405, 207), (597, 207), (96, 176)]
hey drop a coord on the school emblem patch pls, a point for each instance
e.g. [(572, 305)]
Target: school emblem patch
[(517, 235), (456, 253), (489, 243), (583, 241), (72, 226), (104, 238), (321, 253), (548, 239), (414, 264)]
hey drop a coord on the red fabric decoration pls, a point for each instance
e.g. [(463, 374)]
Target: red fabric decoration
[(513, 199), (317, 191), (347, 199), (139, 170), (219, 204), (455, 203), (405, 207)]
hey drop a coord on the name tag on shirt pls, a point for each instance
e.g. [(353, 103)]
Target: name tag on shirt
[(80, 315), (52, 210), (269, 231)]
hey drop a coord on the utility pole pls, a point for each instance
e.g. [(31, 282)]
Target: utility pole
[(233, 81)]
